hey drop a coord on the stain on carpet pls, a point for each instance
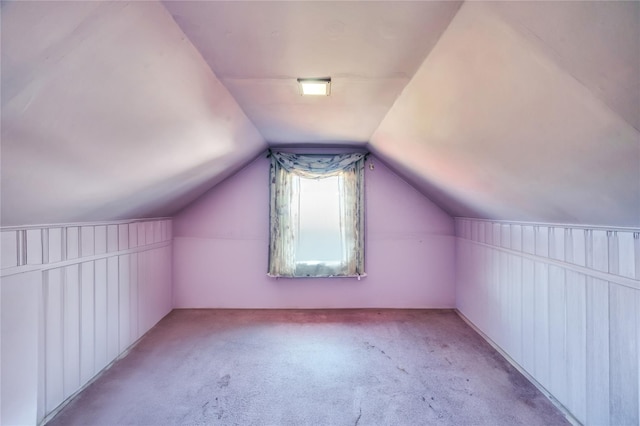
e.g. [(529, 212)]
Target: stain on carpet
[(224, 381)]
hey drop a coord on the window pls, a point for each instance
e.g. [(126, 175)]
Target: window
[(317, 215), (320, 238)]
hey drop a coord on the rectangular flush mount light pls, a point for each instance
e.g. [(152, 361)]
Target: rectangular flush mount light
[(315, 86)]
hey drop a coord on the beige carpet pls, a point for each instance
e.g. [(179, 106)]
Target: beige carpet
[(320, 367)]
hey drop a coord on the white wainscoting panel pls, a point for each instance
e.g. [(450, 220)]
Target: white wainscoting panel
[(101, 317), (19, 357), (54, 338), (94, 290), (55, 245), (9, 249), (100, 233), (564, 303), (73, 242), (34, 246), (87, 241), (87, 322)]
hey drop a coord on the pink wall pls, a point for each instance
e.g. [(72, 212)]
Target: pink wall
[(221, 250)]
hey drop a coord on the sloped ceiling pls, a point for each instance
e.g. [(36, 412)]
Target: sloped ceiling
[(511, 110), (369, 49), (526, 111), (109, 112)]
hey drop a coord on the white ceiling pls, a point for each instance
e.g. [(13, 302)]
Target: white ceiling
[(109, 112), (369, 49), (512, 116), (509, 110)]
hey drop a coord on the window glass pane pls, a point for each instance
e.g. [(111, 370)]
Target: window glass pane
[(319, 238)]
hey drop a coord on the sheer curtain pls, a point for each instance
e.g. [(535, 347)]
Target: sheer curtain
[(286, 171)]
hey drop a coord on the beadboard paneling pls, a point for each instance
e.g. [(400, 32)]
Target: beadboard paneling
[(101, 316), (597, 351), (20, 320), (87, 241), (564, 303), (90, 285), (73, 242), (54, 338), (87, 322), (623, 355), (34, 246), (9, 249), (55, 246), (71, 330)]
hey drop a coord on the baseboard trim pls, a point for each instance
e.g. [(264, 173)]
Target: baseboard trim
[(567, 414), (98, 375)]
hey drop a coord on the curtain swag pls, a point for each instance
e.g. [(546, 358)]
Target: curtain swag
[(313, 166)]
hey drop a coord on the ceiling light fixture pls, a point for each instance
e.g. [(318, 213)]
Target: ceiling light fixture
[(315, 86)]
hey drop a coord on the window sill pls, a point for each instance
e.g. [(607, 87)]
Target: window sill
[(318, 276)]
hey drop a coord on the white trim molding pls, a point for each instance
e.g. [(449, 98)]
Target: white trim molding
[(77, 297), (563, 302)]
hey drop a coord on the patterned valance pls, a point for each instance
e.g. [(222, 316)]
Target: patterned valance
[(313, 166)]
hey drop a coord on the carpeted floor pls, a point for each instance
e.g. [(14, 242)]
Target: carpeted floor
[(320, 367)]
